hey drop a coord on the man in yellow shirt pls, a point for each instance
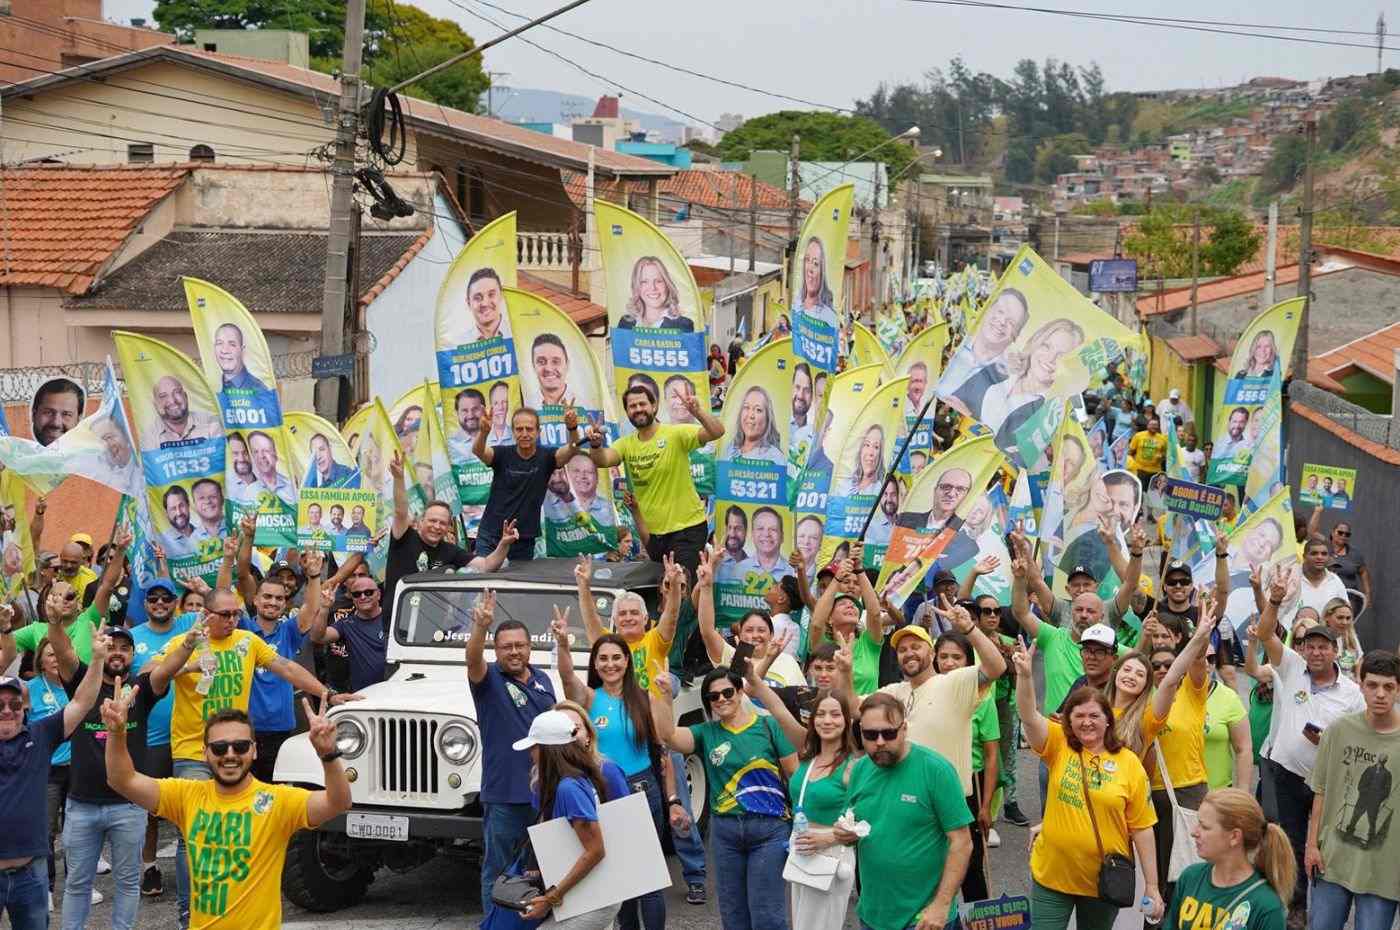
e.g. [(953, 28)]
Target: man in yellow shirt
[(657, 457), (238, 828), (1147, 451)]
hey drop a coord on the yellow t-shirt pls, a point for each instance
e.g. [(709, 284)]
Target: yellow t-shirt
[(1065, 857), (83, 577), (218, 676), (649, 659), (236, 846), (940, 716), (659, 472), (1182, 736)]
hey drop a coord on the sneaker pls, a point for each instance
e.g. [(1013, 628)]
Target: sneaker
[(1011, 813), (993, 838), (50, 902), (167, 851), (97, 896), (103, 866), (695, 893), (152, 883)]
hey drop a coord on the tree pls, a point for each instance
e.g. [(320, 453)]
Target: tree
[(1161, 242), (415, 42), (1233, 241), (825, 137), (1056, 155), (322, 20), (1285, 165), (1338, 128)]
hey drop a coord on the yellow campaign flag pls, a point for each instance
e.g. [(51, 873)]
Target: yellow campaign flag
[(238, 369), (469, 304), (866, 348), (868, 448), (369, 434), (921, 362), (1264, 541), (818, 276), (931, 519), (16, 546), (1258, 367), (176, 421), (327, 472)]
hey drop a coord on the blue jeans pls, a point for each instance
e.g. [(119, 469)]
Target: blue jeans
[(649, 910), (1331, 905), (503, 829), (86, 828), (24, 893), (750, 851), (689, 850), (194, 770)]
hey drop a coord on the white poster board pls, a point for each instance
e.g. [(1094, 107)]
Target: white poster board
[(633, 865)]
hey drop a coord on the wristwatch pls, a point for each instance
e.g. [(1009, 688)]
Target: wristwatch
[(674, 801), (332, 756)]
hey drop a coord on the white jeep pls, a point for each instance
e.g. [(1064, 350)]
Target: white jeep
[(412, 747)]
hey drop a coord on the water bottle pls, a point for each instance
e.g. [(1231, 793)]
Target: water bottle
[(1145, 905), (800, 824)]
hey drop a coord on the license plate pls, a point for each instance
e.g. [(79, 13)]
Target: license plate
[(376, 827)]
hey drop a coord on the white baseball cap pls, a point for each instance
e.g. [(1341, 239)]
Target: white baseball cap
[(1099, 633), (1173, 394), (551, 728)]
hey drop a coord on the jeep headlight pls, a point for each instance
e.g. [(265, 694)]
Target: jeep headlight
[(350, 737), (457, 743)]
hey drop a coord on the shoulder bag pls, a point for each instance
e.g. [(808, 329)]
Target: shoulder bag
[(1183, 825), (1117, 883), (814, 870)]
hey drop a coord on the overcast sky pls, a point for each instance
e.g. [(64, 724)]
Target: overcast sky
[(834, 52)]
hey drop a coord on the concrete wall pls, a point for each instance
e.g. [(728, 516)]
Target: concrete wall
[(282, 45), (1372, 517), (35, 52)]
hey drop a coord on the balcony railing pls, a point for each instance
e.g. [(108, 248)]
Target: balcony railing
[(543, 251)]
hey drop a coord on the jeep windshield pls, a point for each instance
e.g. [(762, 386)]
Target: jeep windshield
[(441, 616)]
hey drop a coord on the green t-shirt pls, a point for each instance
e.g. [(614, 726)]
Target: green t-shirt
[(865, 664), (1198, 903), (742, 766), (79, 631), (1224, 709), (984, 728), (1358, 775), (659, 472), (825, 800), (1063, 666), (1261, 715), (911, 807)]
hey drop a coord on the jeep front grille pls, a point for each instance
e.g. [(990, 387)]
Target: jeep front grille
[(406, 759)]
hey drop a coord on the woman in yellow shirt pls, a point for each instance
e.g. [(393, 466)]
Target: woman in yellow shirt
[(1087, 763)]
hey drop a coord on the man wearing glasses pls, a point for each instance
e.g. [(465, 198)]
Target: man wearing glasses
[(238, 827), (65, 605), (913, 859), (362, 632)]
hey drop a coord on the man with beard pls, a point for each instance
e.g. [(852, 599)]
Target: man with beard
[(470, 407), (914, 857), (181, 540), (269, 479), (95, 815), (209, 508), (26, 746), (948, 493), (520, 476), (1234, 439), (657, 457), (558, 496), (240, 483), (57, 407), (232, 813), (802, 428), (882, 526), (509, 694), (735, 561), (212, 668), (65, 605), (178, 423)]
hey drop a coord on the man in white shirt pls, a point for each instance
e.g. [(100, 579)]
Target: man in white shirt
[(1173, 407), (1194, 457), (1319, 586)]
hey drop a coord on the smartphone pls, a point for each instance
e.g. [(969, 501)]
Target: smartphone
[(1312, 729), (739, 665)]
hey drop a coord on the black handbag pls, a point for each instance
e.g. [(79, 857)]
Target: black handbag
[(1117, 883), (516, 891)]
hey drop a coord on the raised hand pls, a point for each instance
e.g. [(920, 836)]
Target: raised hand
[(199, 633), (320, 730), (1278, 586), (583, 572), (510, 534), (198, 585), (1137, 539), (396, 465), (312, 561), (845, 658), (231, 546), (986, 565), (570, 418), (484, 610), (709, 566), (115, 709), (1222, 540), (956, 615), (857, 556), (101, 646), (1023, 657), (484, 425), (692, 405), (594, 433), (798, 563), (122, 538), (248, 525), (559, 626), (777, 644)]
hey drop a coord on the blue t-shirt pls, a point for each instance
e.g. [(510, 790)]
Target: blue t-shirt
[(575, 798), (617, 738), (366, 643), (24, 779), (505, 708), (45, 700), (271, 705), (615, 780), (149, 643)]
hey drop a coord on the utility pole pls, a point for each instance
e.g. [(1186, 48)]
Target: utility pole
[(1195, 267), (1271, 255), (335, 300), (753, 221), (490, 90), (1305, 222), (794, 156), (875, 263), (1380, 43)]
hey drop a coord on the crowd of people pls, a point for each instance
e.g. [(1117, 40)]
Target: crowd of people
[(856, 754)]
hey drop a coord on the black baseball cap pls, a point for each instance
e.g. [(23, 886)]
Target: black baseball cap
[(1176, 566), (942, 576), (120, 631), (1081, 570), (1321, 630)]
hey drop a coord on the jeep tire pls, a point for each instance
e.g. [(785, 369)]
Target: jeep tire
[(322, 872)]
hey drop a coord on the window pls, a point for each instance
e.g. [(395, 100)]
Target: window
[(202, 153), (140, 153)]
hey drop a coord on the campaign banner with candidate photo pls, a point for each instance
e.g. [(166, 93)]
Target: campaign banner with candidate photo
[(337, 519), (370, 435), (929, 526), (1328, 486), (238, 369), (1037, 342), (417, 420), (1267, 469), (845, 397), (1264, 541), (176, 421), (325, 466), (1259, 363), (16, 544), (753, 481), (579, 516), (865, 348), (868, 447), (476, 358), (558, 369), (921, 362), (818, 275)]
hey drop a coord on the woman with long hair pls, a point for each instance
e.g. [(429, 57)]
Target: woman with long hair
[(757, 436), (1263, 356), (870, 463), (1088, 764), (1248, 870), (191, 602), (1337, 617), (814, 297), (46, 698), (747, 760), (655, 300), (1031, 373), (621, 717), (1129, 691), (818, 791), (567, 784)]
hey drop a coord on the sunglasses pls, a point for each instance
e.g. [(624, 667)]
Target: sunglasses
[(367, 592), (722, 694), (221, 747), (69, 598), (223, 614), (885, 734), (988, 611), (1177, 583), (1342, 532), (160, 599), (1161, 666), (14, 704)]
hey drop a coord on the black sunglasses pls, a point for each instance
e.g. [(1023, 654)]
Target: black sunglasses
[(885, 734), (160, 598), (240, 747), (356, 595), (1342, 532), (1177, 583), (988, 611), (722, 694), (1161, 666)]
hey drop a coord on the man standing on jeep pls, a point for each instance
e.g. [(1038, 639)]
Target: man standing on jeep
[(509, 694)]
